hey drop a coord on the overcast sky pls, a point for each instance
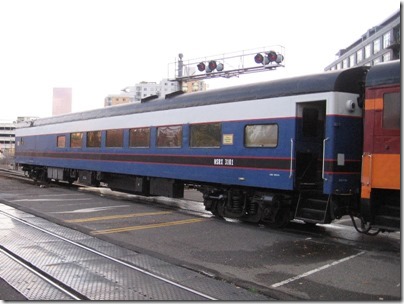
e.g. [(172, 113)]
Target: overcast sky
[(98, 47)]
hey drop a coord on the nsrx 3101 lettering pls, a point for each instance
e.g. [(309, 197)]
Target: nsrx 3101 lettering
[(223, 162)]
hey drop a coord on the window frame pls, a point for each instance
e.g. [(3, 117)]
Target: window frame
[(368, 50), (107, 144), (57, 141), (271, 146), (359, 56), (131, 145), (376, 46), (181, 132), (74, 142), (392, 105), (192, 134), (87, 139)]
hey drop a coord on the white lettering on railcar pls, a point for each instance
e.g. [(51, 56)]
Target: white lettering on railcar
[(228, 162), (223, 162), (218, 161)]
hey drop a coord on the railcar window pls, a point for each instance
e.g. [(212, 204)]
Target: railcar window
[(114, 138), (205, 135), (94, 139), (76, 140), (139, 138), (264, 136), (169, 137), (61, 141), (391, 110)]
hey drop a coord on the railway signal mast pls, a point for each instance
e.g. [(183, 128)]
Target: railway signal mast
[(229, 64)]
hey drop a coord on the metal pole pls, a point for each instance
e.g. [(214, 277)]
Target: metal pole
[(180, 67)]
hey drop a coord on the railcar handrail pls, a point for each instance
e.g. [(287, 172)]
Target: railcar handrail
[(323, 170), (369, 181), (291, 159)]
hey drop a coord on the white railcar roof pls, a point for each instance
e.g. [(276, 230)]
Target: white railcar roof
[(349, 81)]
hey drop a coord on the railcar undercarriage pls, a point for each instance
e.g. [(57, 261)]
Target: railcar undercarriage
[(252, 206), (276, 209)]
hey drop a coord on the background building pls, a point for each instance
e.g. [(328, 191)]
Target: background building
[(141, 91), (379, 44), (194, 86), (161, 89), (62, 101), (145, 89), (7, 143), (113, 100), (7, 137)]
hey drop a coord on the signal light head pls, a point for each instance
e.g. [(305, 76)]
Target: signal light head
[(272, 56), (201, 67), (279, 58), (259, 58), (212, 65)]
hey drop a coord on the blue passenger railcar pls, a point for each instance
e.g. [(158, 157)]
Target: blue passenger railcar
[(268, 152)]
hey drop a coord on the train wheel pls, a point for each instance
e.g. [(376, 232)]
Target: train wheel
[(282, 218), (41, 177), (217, 209)]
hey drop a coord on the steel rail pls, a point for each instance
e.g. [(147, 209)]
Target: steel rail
[(193, 291), (48, 279)]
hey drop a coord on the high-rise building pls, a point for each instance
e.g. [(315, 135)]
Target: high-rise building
[(379, 44), (62, 101)]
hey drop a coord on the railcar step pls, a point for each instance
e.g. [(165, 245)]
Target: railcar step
[(313, 214), (314, 203), (313, 207)]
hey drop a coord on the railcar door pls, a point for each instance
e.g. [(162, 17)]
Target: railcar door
[(309, 144), (312, 204)]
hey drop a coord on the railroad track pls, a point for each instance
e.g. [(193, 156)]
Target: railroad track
[(60, 270), (185, 204), (54, 287), (119, 276), (21, 176), (13, 174)]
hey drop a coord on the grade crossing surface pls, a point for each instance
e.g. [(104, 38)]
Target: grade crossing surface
[(89, 268)]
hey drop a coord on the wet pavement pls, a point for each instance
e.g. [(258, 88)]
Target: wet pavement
[(96, 276), (328, 262)]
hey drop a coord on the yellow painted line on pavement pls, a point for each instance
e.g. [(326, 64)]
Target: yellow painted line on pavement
[(113, 217), (149, 226)]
